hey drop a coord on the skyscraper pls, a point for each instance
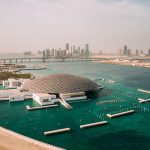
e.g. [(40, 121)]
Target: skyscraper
[(87, 52), (47, 52), (125, 51), (67, 46), (137, 53)]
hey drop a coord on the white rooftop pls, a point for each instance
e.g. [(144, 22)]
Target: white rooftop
[(41, 94)]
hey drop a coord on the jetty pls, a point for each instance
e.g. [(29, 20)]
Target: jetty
[(145, 91), (143, 100), (34, 68), (40, 107), (120, 114), (57, 131), (65, 104), (93, 124)]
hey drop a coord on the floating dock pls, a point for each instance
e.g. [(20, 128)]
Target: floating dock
[(4, 98), (120, 114), (93, 124), (145, 91), (57, 131), (143, 100), (40, 107)]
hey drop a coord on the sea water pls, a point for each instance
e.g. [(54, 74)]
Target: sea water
[(123, 133)]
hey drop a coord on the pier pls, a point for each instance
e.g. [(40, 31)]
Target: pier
[(65, 104), (93, 124), (57, 131), (40, 107), (120, 114)]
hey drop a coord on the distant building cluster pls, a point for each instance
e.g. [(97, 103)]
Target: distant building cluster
[(69, 51), (27, 53), (127, 52)]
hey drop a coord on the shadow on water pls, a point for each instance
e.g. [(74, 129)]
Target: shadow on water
[(99, 94), (123, 140)]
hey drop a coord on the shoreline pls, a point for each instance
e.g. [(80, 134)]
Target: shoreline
[(124, 64), (123, 60), (11, 140)]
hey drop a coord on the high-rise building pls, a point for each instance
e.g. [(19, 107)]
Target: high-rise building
[(82, 52), (40, 52), (87, 52), (149, 52), (43, 54), (47, 52), (67, 46), (137, 53), (63, 53), (125, 51), (27, 53)]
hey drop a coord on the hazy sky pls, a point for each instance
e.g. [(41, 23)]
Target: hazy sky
[(104, 24)]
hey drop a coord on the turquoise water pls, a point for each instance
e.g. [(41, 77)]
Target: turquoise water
[(124, 133)]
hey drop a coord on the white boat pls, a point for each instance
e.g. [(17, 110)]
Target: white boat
[(143, 100), (145, 91), (111, 81)]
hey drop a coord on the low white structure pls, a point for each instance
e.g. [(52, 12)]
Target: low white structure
[(45, 99), (13, 83), (15, 98), (14, 95), (73, 96), (5, 83)]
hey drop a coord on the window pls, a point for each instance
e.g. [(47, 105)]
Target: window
[(45, 100)]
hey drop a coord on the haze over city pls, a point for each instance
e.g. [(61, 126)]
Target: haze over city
[(104, 24)]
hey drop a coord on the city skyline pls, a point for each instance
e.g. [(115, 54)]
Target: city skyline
[(106, 25)]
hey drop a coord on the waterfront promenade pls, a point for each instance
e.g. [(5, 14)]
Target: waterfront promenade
[(10, 140)]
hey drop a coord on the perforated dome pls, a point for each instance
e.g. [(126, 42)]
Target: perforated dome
[(60, 83)]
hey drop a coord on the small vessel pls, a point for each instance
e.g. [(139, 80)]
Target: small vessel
[(143, 100), (145, 91), (111, 81)]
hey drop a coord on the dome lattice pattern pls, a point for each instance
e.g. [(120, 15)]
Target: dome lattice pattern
[(60, 83)]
